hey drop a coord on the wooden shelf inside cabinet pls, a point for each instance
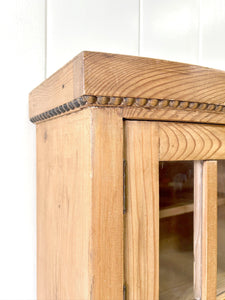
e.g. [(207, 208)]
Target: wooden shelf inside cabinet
[(221, 297), (183, 288), (182, 209), (104, 123)]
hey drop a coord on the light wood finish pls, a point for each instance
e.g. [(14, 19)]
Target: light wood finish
[(174, 262), (64, 255), (198, 186), (209, 231), (170, 114), (180, 141), (107, 205), (132, 76), (80, 207), (113, 75), (142, 217), (175, 211), (81, 237), (221, 297), (141, 108), (63, 86), (181, 209)]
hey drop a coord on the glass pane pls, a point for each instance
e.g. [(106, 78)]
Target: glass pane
[(221, 229), (176, 230)]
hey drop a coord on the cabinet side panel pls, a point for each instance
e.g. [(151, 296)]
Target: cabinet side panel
[(63, 207), (142, 217), (107, 205)]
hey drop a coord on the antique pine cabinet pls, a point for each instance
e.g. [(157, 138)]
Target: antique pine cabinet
[(130, 180)]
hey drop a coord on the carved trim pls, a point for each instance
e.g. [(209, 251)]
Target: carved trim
[(105, 101)]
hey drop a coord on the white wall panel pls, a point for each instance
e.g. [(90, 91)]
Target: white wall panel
[(22, 68), (169, 29), (100, 25), (212, 36)]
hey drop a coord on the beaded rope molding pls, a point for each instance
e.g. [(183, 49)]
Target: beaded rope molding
[(105, 101)]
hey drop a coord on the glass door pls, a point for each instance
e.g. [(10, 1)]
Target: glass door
[(176, 230), (174, 221)]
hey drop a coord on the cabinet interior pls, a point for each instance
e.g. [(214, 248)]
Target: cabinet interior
[(176, 230)]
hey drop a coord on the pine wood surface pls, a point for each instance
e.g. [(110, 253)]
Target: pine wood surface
[(62, 86), (198, 220), (222, 296), (209, 230), (64, 208), (80, 230), (183, 284), (170, 114), (107, 205), (181, 209), (180, 141), (132, 76), (142, 216), (177, 267), (113, 75), (80, 207)]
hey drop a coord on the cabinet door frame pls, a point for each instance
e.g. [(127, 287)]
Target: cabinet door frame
[(201, 143)]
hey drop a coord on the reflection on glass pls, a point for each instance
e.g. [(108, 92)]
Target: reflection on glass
[(176, 230), (221, 229)]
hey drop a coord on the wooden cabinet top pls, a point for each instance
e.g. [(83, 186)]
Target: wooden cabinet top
[(142, 88)]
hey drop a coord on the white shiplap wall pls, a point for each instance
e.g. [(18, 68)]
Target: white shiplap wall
[(170, 30), (212, 34), (190, 31), (21, 68), (100, 25), (40, 36)]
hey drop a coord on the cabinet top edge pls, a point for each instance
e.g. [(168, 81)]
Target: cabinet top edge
[(139, 79)]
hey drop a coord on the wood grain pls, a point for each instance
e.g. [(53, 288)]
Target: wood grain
[(175, 211), (181, 115), (209, 231), (142, 108), (198, 192), (182, 209), (180, 141), (107, 205), (64, 208), (221, 297), (132, 76), (80, 207), (142, 217), (63, 86), (184, 288), (113, 75)]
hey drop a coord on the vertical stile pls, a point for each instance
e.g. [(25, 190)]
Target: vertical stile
[(198, 166), (106, 254), (205, 230), (124, 186), (142, 216), (209, 230)]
